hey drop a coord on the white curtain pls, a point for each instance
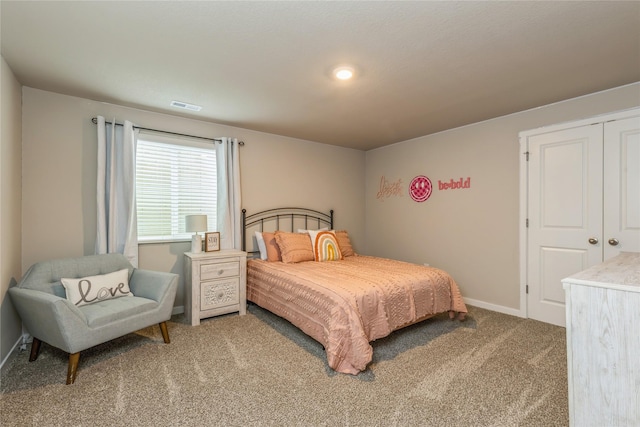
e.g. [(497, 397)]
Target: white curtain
[(116, 190), (229, 197)]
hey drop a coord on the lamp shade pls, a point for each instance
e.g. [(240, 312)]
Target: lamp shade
[(196, 223)]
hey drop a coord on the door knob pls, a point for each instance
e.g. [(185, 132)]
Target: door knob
[(593, 240), (613, 242)]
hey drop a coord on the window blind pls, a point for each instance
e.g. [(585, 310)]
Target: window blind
[(173, 179)]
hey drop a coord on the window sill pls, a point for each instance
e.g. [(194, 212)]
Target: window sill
[(161, 241)]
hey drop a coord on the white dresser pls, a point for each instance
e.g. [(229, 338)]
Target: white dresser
[(603, 343), (215, 283)]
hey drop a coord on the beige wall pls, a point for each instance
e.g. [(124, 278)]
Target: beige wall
[(472, 233), (59, 149), (10, 206)]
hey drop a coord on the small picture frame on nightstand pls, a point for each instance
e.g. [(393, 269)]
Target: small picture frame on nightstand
[(212, 241)]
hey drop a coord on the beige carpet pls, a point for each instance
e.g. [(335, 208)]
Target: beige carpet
[(258, 370)]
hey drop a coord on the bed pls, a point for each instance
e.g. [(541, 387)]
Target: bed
[(307, 273)]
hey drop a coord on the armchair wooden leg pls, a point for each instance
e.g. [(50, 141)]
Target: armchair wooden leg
[(35, 349), (74, 358), (165, 332)]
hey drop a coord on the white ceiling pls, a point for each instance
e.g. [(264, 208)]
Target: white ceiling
[(422, 66)]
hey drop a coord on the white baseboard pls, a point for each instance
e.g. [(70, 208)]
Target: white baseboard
[(10, 353), (494, 307), (470, 301)]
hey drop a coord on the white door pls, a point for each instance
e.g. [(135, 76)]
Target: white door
[(564, 214), (621, 187)]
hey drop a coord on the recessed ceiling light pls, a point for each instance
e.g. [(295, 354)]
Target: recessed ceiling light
[(343, 73), (186, 106)]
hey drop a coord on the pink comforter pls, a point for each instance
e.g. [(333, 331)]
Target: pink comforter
[(346, 304)]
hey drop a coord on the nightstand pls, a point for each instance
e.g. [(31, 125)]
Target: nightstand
[(214, 283)]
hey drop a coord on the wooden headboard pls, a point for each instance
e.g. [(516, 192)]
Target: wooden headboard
[(286, 219)]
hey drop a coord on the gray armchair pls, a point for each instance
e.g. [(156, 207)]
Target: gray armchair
[(40, 299)]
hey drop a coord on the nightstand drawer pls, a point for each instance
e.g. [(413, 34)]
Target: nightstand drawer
[(219, 270), (219, 293)]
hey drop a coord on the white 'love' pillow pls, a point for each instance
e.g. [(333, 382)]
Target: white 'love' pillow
[(87, 290)]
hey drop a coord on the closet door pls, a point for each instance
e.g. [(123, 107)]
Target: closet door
[(621, 187), (582, 203), (564, 214)]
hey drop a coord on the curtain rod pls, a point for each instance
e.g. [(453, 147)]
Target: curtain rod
[(95, 121)]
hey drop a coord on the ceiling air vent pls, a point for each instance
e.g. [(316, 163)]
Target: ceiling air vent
[(179, 104)]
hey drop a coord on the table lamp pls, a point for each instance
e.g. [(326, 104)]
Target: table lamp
[(195, 224)]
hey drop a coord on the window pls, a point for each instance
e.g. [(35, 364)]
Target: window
[(174, 178)]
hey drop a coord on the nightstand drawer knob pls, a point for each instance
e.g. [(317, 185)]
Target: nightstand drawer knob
[(220, 272)]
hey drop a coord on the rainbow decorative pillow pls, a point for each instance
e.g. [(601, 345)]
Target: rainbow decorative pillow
[(325, 245)]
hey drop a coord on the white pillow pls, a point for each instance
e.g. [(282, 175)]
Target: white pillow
[(261, 245), (87, 290), (300, 230)]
